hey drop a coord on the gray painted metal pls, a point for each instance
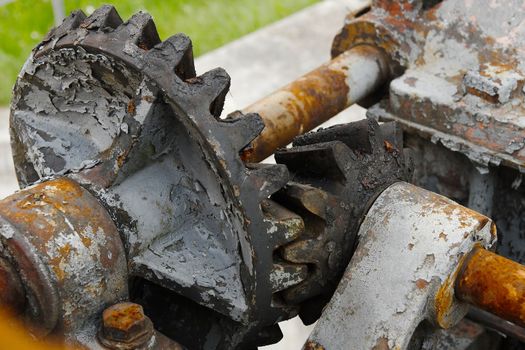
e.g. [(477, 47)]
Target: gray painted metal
[(411, 243)]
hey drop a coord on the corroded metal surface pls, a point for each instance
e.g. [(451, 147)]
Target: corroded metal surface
[(464, 72), (12, 295), (493, 283), (316, 97), (336, 172), (68, 253), (130, 120), (124, 326), (402, 273)]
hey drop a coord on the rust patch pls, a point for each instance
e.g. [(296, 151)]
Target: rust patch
[(465, 216), (493, 283), (443, 302), (125, 326), (296, 109), (381, 344), (445, 298), (305, 103), (60, 229), (123, 316), (311, 345), (389, 147), (421, 283), (131, 107)]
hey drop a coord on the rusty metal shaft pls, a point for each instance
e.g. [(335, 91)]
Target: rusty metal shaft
[(316, 97), (493, 283)]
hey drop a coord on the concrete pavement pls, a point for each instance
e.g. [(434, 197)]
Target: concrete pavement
[(8, 182)]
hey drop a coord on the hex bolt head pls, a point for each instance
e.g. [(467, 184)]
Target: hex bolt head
[(125, 323)]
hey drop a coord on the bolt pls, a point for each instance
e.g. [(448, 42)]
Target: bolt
[(125, 326)]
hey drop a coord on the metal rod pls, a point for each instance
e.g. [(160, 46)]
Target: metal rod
[(497, 323), (316, 97), (59, 11), (494, 284)]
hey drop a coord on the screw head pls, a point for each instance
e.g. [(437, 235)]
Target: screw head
[(126, 323)]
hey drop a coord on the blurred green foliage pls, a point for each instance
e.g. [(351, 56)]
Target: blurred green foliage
[(209, 23)]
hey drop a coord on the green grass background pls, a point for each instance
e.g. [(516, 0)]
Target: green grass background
[(209, 23)]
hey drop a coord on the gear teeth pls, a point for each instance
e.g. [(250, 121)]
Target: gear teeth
[(268, 178), (309, 198), (103, 17), (142, 31), (71, 22), (214, 85), (302, 292), (300, 252), (285, 226), (361, 136), (244, 129), (392, 133), (176, 53), (326, 160), (285, 275)]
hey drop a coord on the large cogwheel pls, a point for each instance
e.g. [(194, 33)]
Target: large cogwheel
[(109, 104)]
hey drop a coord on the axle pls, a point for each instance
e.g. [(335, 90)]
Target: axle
[(493, 283), (316, 97)]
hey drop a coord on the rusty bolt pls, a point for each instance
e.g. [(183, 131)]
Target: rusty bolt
[(125, 326)]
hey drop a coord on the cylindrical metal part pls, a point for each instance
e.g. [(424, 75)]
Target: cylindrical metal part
[(316, 97), (493, 283), (497, 323), (68, 256), (12, 297)]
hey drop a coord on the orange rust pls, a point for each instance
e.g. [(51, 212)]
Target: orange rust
[(86, 241), (445, 298), (395, 8), (364, 31), (43, 213), (307, 102), (421, 283), (465, 216), (443, 301), (131, 107), (483, 95), (123, 316), (389, 147), (381, 344), (44, 208), (298, 108), (311, 345), (493, 283)]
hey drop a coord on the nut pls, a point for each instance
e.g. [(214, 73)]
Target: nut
[(124, 325)]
